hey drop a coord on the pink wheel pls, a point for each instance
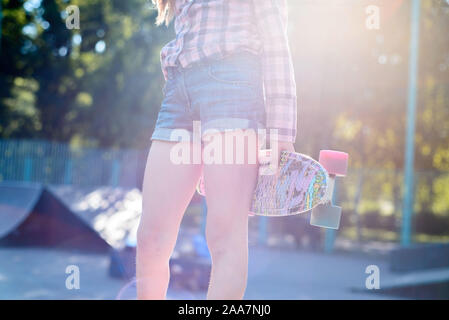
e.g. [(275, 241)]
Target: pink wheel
[(335, 162)]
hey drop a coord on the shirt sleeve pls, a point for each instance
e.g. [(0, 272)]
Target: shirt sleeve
[(278, 72)]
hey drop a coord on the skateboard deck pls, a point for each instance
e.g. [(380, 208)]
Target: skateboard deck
[(298, 185)]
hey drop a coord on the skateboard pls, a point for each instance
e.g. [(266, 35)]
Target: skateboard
[(299, 184)]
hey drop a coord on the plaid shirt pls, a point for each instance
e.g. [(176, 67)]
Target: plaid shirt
[(215, 28)]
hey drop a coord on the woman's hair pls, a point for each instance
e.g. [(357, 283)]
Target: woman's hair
[(166, 11)]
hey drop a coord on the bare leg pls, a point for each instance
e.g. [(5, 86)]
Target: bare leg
[(229, 189), (167, 191)]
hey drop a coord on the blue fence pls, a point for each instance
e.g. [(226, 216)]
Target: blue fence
[(57, 163), (369, 197)]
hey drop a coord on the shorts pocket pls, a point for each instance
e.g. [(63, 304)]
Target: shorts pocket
[(229, 73)]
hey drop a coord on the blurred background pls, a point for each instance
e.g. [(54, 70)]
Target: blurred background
[(78, 106)]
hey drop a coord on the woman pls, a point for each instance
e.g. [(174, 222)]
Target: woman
[(229, 69)]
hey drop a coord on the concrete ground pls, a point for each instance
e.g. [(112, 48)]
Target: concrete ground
[(276, 274), (32, 273)]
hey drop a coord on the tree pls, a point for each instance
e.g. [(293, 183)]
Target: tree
[(14, 63), (98, 85)]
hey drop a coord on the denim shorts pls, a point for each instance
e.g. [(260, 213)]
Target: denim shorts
[(222, 94)]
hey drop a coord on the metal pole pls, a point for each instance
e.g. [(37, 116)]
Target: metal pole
[(408, 200), (115, 173)]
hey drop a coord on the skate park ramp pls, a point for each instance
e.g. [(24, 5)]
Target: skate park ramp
[(113, 212), (31, 215), (16, 203)]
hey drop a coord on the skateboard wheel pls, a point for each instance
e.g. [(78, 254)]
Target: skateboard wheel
[(326, 216), (335, 162)]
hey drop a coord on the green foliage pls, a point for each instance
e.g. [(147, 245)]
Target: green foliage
[(352, 89), (13, 63), (99, 84)]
